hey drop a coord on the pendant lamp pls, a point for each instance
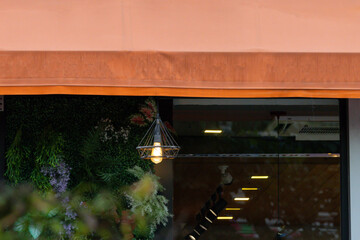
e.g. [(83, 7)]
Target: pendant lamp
[(158, 144)]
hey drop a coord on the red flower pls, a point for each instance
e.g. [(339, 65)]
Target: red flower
[(151, 104), (137, 119), (148, 113), (169, 127)]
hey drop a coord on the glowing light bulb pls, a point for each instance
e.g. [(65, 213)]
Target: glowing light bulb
[(156, 153)]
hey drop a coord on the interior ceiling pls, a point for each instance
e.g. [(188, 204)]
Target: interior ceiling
[(292, 119), (249, 112)]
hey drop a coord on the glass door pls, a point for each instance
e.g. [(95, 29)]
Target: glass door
[(282, 155)]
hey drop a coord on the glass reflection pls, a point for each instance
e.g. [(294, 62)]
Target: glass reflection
[(283, 155)]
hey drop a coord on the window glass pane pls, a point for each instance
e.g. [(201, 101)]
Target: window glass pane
[(283, 155), (309, 171)]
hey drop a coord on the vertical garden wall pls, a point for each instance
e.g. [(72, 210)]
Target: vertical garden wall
[(86, 145)]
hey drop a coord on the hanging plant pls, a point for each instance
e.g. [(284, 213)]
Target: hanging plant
[(17, 154), (24, 161)]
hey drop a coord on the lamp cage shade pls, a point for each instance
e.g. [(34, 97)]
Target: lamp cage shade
[(158, 144)]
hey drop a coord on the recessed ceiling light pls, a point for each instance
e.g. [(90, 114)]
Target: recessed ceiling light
[(241, 199), (192, 237), (212, 131), (249, 189), (233, 209), (259, 177), (225, 218)]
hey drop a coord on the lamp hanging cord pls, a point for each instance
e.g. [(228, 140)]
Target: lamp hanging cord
[(157, 108)]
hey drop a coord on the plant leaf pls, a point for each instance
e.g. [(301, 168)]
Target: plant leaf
[(53, 212), (35, 231), (19, 225)]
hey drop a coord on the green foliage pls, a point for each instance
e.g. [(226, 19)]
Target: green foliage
[(106, 156), (72, 117), (145, 200), (16, 156), (99, 151), (25, 160), (25, 214), (49, 148)]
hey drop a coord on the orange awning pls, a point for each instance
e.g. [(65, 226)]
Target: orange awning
[(186, 74)]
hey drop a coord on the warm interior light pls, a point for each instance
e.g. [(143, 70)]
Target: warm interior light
[(192, 237), (213, 131), (241, 199), (225, 218), (208, 219), (259, 177), (213, 212), (249, 189), (232, 209), (156, 153), (203, 227)]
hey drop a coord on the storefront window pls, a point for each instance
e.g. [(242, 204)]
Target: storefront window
[(283, 156)]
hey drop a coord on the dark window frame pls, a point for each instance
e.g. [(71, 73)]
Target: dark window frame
[(344, 169)]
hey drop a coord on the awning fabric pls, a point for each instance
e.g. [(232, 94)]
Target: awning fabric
[(186, 74)]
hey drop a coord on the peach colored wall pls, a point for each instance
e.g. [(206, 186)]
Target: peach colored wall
[(181, 25)]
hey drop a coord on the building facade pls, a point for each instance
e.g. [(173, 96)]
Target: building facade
[(265, 91)]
